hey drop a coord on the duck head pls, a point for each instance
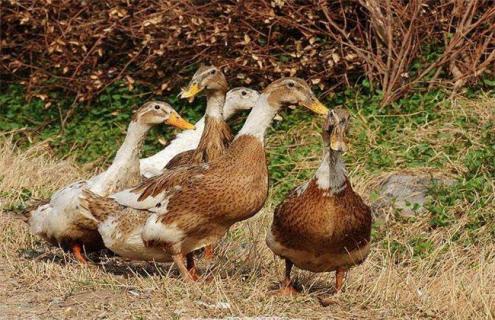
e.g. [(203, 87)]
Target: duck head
[(335, 129), (239, 99), (156, 112), (209, 78), (293, 91)]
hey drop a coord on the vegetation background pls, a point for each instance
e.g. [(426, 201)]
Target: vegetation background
[(418, 77)]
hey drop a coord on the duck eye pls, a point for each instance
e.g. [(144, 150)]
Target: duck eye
[(291, 84), (243, 93), (213, 71), (157, 107)]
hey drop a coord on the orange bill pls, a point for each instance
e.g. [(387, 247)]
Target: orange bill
[(177, 121)]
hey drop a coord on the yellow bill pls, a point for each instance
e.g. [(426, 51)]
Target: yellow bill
[(337, 143), (315, 105), (177, 121), (191, 91)]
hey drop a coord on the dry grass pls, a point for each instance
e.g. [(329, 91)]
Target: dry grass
[(455, 280)]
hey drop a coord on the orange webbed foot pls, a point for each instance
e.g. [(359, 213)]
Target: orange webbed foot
[(78, 254), (209, 253), (288, 291)]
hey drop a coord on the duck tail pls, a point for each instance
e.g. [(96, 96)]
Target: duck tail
[(97, 208)]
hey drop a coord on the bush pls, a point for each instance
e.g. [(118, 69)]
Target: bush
[(85, 46)]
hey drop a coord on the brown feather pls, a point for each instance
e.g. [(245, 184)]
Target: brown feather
[(214, 140), (100, 207), (208, 199), (181, 159), (322, 223)]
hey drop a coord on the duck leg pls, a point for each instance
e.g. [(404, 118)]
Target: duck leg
[(191, 266), (77, 251), (340, 274), (287, 287), (209, 251), (179, 261)]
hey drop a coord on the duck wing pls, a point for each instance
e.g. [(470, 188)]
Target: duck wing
[(151, 192)]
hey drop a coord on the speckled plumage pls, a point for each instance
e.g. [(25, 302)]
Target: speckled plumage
[(195, 199), (323, 225), (194, 205), (215, 139), (180, 150), (314, 223), (213, 205), (213, 143)]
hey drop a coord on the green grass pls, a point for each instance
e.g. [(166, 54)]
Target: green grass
[(95, 130)]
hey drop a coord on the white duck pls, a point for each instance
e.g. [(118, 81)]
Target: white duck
[(236, 100), (62, 222)]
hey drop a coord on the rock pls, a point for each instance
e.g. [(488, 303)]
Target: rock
[(407, 192)]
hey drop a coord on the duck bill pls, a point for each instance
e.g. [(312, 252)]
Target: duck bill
[(316, 106), (191, 91), (337, 141), (178, 122)]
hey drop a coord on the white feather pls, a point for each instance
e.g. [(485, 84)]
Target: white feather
[(154, 230), (129, 245), (184, 141), (64, 211), (331, 175), (130, 199)]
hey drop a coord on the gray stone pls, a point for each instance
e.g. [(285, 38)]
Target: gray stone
[(407, 192)]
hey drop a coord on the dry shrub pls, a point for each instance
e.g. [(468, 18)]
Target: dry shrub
[(84, 46)]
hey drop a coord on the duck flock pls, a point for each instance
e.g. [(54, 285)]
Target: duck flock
[(187, 196)]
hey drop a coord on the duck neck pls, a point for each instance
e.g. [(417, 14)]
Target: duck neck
[(228, 110), (331, 175), (216, 134), (125, 166), (131, 147), (259, 119), (214, 104)]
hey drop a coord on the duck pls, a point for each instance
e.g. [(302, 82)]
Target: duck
[(62, 222), (236, 100), (193, 206), (216, 133), (323, 225)]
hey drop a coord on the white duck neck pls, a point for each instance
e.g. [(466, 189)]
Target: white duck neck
[(259, 119), (331, 175), (126, 162), (214, 104), (130, 148), (228, 109)]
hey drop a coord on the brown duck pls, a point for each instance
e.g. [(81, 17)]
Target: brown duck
[(216, 134), (323, 225), (194, 206)]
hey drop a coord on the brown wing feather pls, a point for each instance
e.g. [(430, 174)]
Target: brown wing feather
[(167, 181), (100, 207), (229, 189), (181, 159)]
